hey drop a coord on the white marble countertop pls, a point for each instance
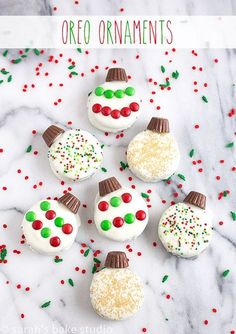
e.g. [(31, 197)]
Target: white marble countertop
[(194, 288)]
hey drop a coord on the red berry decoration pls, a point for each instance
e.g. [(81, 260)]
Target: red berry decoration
[(67, 228), (55, 241), (115, 114), (140, 215), (125, 111), (106, 111), (50, 214), (126, 197), (118, 222), (37, 225), (96, 108), (134, 106), (103, 206)]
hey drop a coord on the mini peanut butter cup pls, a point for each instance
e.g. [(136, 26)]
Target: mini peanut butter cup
[(70, 201), (196, 199), (116, 74), (116, 260), (51, 133), (108, 186), (160, 125)]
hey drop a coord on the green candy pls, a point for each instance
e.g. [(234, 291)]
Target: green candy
[(119, 93), (45, 205), (130, 91), (105, 225), (99, 91), (129, 218), (109, 94), (30, 216), (59, 222), (46, 232), (115, 201)]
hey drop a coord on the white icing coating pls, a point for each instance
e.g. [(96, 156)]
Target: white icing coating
[(153, 156), (126, 231), (116, 294), (107, 123), (185, 230), (75, 155), (42, 245)]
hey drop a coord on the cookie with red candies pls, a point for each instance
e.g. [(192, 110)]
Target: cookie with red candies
[(115, 105), (50, 226), (120, 213)]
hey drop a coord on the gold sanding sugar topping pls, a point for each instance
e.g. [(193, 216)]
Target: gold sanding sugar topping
[(152, 153), (116, 293)]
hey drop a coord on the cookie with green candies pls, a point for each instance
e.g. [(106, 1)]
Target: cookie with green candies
[(114, 105), (120, 213), (50, 226)]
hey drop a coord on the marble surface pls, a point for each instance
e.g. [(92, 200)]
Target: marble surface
[(194, 287)]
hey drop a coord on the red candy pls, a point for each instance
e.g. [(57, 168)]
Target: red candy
[(140, 215), (125, 111), (126, 197), (118, 222), (106, 111), (67, 228), (55, 241), (115, 113), (96, 108), (103, 206), (50, 214), (134, 106), (37, 225)]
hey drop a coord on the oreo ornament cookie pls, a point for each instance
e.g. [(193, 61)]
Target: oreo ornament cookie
[(74, 155), (51, 226), (116, 292), (115, 105), (153, 154), (120, 213), (185, 229)]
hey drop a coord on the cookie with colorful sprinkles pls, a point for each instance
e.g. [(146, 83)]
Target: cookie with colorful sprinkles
[(116, 292), (185, 229), (115, 105), (74, 155), (120, 213), (153, 155), (50, 226)]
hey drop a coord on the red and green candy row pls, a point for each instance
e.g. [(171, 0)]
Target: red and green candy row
[(129, 218), (115, 201)]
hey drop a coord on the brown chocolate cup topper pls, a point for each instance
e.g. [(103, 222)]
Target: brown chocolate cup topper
[(70, 201), (196, 199), (51, 133), (160, 125), (116, 260), (116, 74), (108, 186)]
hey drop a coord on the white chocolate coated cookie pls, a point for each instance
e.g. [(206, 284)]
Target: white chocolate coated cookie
[(116, 294), (185, 230), (50, 227)]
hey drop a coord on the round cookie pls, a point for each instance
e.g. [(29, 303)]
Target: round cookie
[(116, 293), (185, 229), (115, 105), (74, 155), (50, 226), (120, 213), (153, 155)]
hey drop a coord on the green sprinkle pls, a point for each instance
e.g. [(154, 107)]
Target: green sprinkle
[(79, 50), (94, 269), (163, 69), (124, 165), (27, 50), (17, 61), (29, 148), (104, 169), (73, 73), (175, 75), (46, 304), (9, 79), (86, 253), (4, 72), (71, 282), (144, 195), (37, 52), (225, 193), (56, 260), (229, 145), (182, 177), (204, 98), (1, 81), (165, 278), (96, 260), (5, 53), (191, 153), (167, 84), (225, 273), (71, 67), (233, 215), (3, 254)]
